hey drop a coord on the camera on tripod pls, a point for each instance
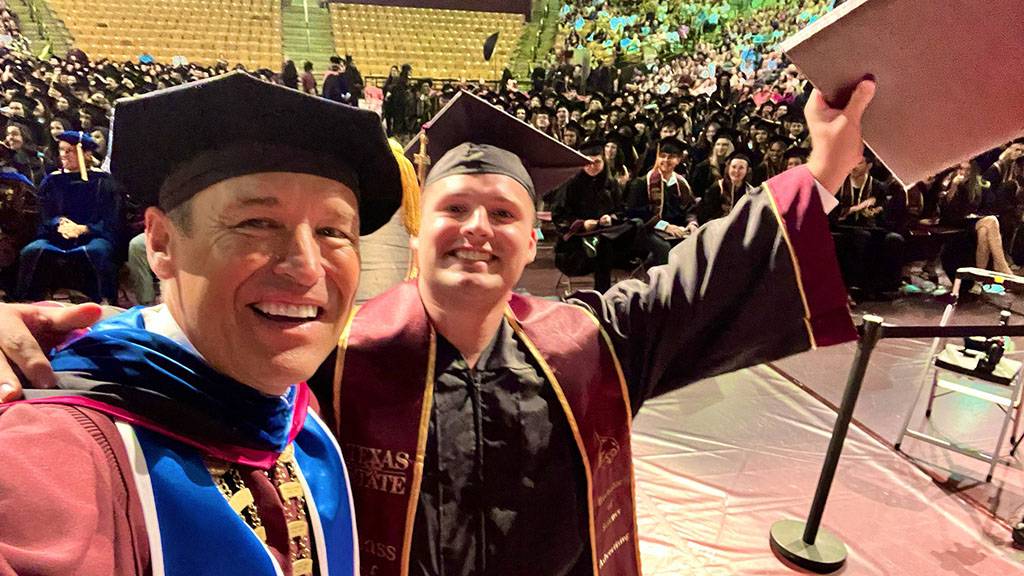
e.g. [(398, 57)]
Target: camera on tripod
[(989, 351)]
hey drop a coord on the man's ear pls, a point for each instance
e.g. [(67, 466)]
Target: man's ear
[(533, 245), (160, 232)]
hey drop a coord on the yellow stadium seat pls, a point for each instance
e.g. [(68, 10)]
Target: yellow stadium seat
[(201, 30), (438, 43)]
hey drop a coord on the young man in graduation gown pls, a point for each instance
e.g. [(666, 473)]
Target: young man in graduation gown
[(488, 433), (663, 204), (80, 212), (870, 256), (182, 438)]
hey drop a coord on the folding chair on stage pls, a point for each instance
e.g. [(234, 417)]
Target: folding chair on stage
[(976, 369)]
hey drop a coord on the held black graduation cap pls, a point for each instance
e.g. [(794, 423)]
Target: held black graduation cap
[(170, 144), (470, 136)]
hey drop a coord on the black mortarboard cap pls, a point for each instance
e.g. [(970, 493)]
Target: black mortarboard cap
[(593, 147), (169, 145), (726, 133), (99, 115), (672, 145), (739, 155), (575, 127), (469, 136), (673, 119), (794, 116), (65, 91), (37, 83), (542, 110), (796, 152)]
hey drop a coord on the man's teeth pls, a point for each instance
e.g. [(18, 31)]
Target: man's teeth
[(300, 311), (473, 255)]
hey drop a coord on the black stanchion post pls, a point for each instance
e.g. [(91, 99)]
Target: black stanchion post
[(806, 544)]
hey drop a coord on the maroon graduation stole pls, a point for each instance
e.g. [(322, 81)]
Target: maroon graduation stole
[(655, 195), (383, 394)]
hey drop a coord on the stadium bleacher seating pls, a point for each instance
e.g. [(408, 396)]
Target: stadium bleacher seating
[(437, 43), (245, 31)]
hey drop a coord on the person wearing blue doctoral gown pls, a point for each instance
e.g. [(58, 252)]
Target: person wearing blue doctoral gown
[(80, 217)]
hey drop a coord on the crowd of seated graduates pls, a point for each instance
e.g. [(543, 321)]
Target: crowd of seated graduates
[(676, 140)]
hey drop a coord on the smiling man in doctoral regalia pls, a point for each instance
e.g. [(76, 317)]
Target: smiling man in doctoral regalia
[(183, 439)]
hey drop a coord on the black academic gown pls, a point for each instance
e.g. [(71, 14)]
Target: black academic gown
[(588, 198), (704, 176)]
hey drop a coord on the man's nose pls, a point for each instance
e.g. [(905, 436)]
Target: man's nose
[(300, 257), (478, 223)]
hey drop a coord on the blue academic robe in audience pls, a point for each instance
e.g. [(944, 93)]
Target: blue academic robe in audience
[(90, 258)]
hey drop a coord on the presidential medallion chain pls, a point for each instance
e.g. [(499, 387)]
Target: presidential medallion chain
[(284, 476), (238, 495)]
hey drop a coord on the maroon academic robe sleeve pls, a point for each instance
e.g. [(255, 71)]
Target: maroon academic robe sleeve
[(756, 285), (63, 507)]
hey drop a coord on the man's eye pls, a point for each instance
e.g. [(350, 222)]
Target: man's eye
[(503, 214), (333, 233), (455, 208), (258, 224)]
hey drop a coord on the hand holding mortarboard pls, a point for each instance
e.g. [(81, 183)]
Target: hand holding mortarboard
[(836, 134)]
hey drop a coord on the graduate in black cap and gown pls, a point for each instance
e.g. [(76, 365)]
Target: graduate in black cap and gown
[(499, 444), (588, 212), (80, 219), (723, 195), (572, 134), (662, 202), (773, 163), (669, 127), (711, 169)]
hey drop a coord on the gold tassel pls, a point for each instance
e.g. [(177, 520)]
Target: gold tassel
[(410, 198), (410, 190), (82, 168)]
